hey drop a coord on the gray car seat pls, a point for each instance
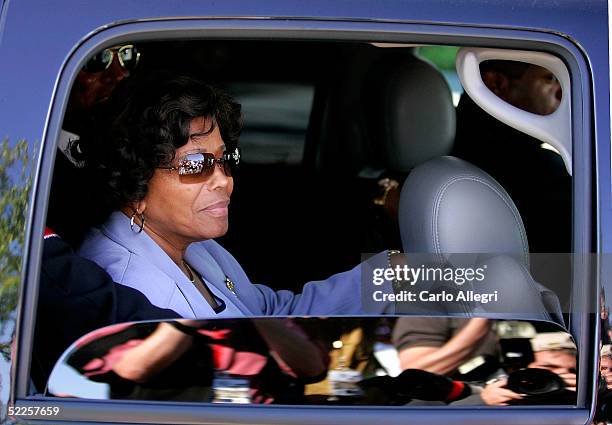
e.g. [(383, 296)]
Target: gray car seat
[(460, 216), (447, 205), (409, 113), (410, 118)]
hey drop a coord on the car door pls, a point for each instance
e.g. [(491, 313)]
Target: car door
[(36, 109)]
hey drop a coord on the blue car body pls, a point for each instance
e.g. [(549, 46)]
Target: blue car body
[(44, 44)]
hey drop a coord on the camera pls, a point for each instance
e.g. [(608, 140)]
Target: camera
[(539, 386)]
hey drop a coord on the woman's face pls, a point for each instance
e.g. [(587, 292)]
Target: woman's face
[(185, 209)]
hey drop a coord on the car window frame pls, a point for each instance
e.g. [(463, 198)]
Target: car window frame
[(455, 35)]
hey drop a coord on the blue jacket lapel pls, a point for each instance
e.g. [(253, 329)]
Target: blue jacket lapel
[(117, 228), (214, 272)]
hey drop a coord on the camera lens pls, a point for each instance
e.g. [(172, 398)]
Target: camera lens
[(535, 382)]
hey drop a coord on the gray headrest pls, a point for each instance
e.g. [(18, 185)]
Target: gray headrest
[(410, 112), (450, 206)]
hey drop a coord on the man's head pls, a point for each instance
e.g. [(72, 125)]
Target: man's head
[(101, 74), (554, 351), (529, 87)]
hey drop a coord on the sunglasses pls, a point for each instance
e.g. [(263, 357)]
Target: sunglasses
[(203, 163), (128, 57)]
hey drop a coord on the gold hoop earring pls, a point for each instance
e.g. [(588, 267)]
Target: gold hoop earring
[(132, 222)]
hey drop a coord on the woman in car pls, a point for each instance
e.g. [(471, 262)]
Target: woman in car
[(165, 157)]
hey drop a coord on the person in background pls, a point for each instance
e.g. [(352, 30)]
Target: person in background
[(75, 295), (533, 174), (605, 365), (553, 351), (529, 87), (442, 344), (92, 87)]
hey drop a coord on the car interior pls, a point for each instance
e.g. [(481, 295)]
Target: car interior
[(324, 124), (346, 148)]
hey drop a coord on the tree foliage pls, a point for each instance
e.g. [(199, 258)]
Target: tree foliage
[(15, 185), (441, 56)]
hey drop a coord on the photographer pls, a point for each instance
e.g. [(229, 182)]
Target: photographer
[(604, 396), (553, 351)]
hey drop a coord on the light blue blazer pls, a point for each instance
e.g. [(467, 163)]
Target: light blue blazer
[(135, 260)]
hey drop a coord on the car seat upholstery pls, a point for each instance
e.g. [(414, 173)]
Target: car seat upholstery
[(410, 119), (535, 177), (409, 113), (450, 207)]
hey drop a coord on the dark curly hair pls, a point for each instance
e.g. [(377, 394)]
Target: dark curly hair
[(139, 129)]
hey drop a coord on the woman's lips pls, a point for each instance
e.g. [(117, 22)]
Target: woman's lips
[(218, 209)]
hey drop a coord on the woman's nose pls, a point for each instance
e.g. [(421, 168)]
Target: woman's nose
[(218, 179)]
